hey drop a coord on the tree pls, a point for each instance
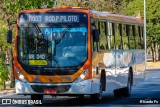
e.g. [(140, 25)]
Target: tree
[(9, 10), (114, 6), (4, 72), (153, 21)]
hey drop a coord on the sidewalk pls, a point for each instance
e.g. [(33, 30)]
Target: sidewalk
[(151, 65), (7, 92)]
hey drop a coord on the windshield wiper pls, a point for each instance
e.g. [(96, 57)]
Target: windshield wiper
[(61, 36), (57, 41), (39, 31)]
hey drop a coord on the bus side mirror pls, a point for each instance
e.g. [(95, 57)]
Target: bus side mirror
[(96, 35), (9, 36)]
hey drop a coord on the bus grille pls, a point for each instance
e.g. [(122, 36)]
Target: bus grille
[(60, 89)]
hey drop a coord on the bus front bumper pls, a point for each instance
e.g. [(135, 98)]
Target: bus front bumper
[(26, 88)]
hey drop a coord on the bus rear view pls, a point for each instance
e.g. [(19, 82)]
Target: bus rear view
[(52, 53)]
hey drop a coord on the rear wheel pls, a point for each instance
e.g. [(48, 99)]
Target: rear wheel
[(118, 93), (127, 90)]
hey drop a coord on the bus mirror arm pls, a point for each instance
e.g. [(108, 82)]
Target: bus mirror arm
[(9, 36), (96, 35)]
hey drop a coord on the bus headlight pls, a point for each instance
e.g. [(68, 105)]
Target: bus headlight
[(20, 76), (82, 76)]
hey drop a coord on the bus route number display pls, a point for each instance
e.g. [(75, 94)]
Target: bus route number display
[(48, 18)]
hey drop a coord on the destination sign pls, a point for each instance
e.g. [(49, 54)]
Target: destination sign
[(52, 18)]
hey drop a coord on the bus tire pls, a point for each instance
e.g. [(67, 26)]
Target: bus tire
[(103, 80), (37, 97), (117, 93), (127, 90), (96, 98), (80, 97)]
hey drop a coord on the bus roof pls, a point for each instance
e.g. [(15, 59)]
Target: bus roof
[(116, 17)]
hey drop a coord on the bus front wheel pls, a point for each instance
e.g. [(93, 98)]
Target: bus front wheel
[(37, 97), (96, 98)]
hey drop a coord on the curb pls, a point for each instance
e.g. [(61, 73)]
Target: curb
[(7, 93)]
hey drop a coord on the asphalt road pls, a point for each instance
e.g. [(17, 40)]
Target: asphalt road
[(147, 93)]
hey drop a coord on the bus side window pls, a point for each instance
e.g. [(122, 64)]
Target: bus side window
[(141, 36), (125, 38), (134, 36), (131, 37), (110, 38), (138, 41), (117, 37), (103, 40)]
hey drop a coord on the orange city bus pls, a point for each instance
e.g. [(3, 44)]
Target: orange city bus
[(76, 51)]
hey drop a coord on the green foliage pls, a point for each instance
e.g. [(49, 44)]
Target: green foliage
[(99, 5), (18, 5), (153, 16), (9, 10), (152, 19), (4, 72)]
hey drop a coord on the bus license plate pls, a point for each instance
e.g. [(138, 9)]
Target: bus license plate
[(50, 91)]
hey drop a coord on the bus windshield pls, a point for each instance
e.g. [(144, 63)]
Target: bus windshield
[(52, 44)]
